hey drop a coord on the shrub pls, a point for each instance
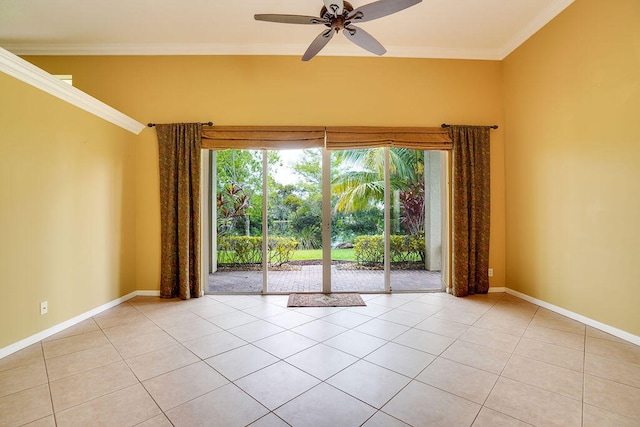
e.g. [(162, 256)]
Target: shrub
[(248, 249), (416, 246), (281, 249), (239, 250), (310, 237), (404, 248), (369, 249)]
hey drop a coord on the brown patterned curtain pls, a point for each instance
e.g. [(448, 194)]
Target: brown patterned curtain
[(179, 155), (471, 206)]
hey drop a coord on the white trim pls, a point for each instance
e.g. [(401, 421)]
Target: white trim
[(543, 18), (445, 223), (22, 70), (204, 221), (294, 49), (246, 49), (148, 293), (265, 222), (326, 218), (634, 339), (12, 348), (387, 219)]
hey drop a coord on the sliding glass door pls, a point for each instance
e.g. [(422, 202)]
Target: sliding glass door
[(357, 220), (313, 220), (294, 218), (415, 238), (236, 194)]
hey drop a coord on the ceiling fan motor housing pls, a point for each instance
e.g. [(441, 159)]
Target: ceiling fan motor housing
[(335, 22), (325, 14)]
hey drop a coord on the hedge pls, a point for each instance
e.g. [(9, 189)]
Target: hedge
[(367, 249), (248, 249), (404, 248)]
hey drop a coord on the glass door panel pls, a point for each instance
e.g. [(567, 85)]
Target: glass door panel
[(294, 216), (357, 220), (415, 220), (237, 221), (353, 244)]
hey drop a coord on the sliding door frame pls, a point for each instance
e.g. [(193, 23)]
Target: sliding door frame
[(326, 221), (208, 219)]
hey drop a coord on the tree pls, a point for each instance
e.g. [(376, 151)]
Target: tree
[(232, 203), (307, 220), (309, 169), (360, 182), (243, 169), (412, 202), (282, 202)]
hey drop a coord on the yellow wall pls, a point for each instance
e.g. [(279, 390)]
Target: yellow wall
[(67, 211), (80, 217), (239, 90), (572, 119)]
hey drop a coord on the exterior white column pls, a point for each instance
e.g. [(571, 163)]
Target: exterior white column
[(433, 211)]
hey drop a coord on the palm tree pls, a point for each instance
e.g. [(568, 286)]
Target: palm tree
[(360, 182)]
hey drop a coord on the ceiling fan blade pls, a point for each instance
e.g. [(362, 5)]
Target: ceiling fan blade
[(364, 40), (378, 9), (317, 45), (336, 7), (290, 19)]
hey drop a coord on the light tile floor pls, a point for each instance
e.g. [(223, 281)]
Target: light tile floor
[(404, 359)]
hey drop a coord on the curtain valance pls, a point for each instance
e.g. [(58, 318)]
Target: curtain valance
[(262, 137), (416, 138), (337, 137)]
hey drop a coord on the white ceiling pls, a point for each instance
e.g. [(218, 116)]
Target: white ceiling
[(461, 29)]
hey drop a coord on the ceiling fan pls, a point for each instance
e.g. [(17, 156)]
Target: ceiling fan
[(340, 15)]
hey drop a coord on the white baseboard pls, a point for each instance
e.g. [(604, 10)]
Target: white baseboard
[(634, 339), (148, 293), (73, 321)]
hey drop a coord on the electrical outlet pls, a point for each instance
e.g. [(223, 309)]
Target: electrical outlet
[(491, 272), (44, 307)]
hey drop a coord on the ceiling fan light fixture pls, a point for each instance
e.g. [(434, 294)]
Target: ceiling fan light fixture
[(338, 15)]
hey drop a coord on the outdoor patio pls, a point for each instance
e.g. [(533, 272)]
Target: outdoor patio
[(309, 279)]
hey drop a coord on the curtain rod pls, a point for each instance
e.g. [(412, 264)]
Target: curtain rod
[(203, 124), (444, 125)]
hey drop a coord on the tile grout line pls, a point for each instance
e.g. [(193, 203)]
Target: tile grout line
[(503, 368)]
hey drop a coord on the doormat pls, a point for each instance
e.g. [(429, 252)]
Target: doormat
[(325, 300)]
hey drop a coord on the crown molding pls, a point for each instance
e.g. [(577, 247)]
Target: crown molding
[(494, 53), (244, 49), (540, 20), (22, 70)]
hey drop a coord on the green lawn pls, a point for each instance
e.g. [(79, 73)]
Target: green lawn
[(316, 254)]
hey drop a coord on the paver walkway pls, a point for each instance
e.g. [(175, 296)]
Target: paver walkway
[(309, 279)]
